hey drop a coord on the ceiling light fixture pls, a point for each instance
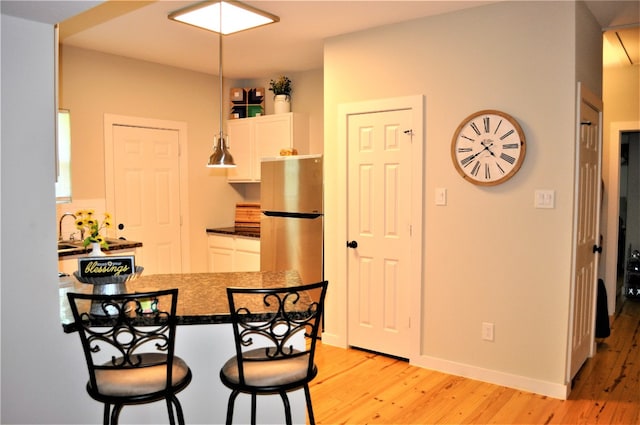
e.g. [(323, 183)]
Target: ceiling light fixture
[(237, 17)]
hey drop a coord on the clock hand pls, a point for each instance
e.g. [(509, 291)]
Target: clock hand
[(468, 160), (486, 147)]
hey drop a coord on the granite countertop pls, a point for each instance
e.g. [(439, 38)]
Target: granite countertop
[(250, 232), (76, 248), (202, 297)]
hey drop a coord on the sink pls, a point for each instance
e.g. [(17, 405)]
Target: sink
[(69, 245)]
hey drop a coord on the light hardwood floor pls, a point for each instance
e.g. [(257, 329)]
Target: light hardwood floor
[(358, 387)]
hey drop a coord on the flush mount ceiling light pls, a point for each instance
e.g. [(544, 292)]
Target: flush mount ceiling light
[(237, 16)]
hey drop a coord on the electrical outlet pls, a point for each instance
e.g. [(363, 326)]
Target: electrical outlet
[(488, 331)]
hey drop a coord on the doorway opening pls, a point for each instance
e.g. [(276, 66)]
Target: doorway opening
[(629, 206)]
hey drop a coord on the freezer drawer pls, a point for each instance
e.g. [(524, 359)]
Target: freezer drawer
[(292, 244)]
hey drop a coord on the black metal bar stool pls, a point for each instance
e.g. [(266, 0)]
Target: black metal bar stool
[(128, 342), (266, 322)]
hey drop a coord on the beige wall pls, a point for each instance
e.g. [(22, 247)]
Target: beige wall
[(621, 94), (94, 83), (488, 255)]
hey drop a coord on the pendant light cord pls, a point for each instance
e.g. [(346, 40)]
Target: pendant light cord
[(220, 71)]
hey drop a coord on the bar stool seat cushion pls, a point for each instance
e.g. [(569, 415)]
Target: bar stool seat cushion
[(268, 372), (143, 380)]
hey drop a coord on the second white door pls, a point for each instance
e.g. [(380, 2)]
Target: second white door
[(379, 222)]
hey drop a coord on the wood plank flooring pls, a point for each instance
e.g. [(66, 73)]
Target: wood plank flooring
[(359, 387)]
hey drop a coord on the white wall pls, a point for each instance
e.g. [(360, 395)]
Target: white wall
[(35, 370), (488, 255)]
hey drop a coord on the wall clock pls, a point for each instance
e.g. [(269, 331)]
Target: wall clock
[(488, 147)]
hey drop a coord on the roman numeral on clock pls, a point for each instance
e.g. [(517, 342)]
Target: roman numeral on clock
[(476, 167), (507, 158), (463, 150), (486, 124), (507, 134), (510, 146), (467, 160), (487, 172), (475, 128), (499, 124)]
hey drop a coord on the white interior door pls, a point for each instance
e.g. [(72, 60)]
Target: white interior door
[(146, 176), (588, 182), (379, 221)]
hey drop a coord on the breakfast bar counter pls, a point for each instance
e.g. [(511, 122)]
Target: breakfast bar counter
[(202, 297), (202, 302)]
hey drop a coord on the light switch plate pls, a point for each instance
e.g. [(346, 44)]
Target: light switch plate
[(441, 196), (545, 198)]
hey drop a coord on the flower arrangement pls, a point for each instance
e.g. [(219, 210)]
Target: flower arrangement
[(85, 220), (281, 86)]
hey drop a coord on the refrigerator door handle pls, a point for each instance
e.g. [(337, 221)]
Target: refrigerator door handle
[(291, 214)]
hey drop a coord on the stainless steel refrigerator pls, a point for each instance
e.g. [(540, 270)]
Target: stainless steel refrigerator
[(292, 220)]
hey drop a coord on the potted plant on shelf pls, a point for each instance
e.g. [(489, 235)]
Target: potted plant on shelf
[(281, 89)]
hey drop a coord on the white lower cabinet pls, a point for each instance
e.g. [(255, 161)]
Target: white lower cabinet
[(230, 253)]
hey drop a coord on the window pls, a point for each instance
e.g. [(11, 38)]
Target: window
[(63, 179)]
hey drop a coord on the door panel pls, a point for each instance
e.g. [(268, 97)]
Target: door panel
[(147, 194), (379, 220), (588, 219)]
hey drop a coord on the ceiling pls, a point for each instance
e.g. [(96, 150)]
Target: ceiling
[(141, 30)]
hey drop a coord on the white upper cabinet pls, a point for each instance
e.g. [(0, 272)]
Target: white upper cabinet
[(251, 139)]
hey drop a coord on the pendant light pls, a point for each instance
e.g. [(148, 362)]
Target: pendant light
[(221, 157), (238, 17)]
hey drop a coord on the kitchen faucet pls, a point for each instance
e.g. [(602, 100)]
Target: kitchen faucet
[(60, 225)]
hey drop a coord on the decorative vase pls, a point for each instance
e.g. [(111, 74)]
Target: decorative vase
[(282, 103), (96, 251)]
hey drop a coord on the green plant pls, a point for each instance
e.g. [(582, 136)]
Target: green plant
[(86, 220), (281, 86)]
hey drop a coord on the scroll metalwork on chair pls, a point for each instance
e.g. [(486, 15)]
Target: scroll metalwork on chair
[(275, 332), (129, 350)]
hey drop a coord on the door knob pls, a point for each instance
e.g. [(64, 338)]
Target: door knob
[(352, 244)]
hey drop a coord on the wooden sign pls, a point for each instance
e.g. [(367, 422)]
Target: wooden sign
[(106, 266)]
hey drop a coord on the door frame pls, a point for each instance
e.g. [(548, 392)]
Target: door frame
[(613, 209), (181, 127), (416, 105)]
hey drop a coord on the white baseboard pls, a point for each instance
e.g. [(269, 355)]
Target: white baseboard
[(333, 340), (549, 389)]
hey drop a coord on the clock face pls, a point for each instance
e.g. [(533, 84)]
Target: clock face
[(488, 147)]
